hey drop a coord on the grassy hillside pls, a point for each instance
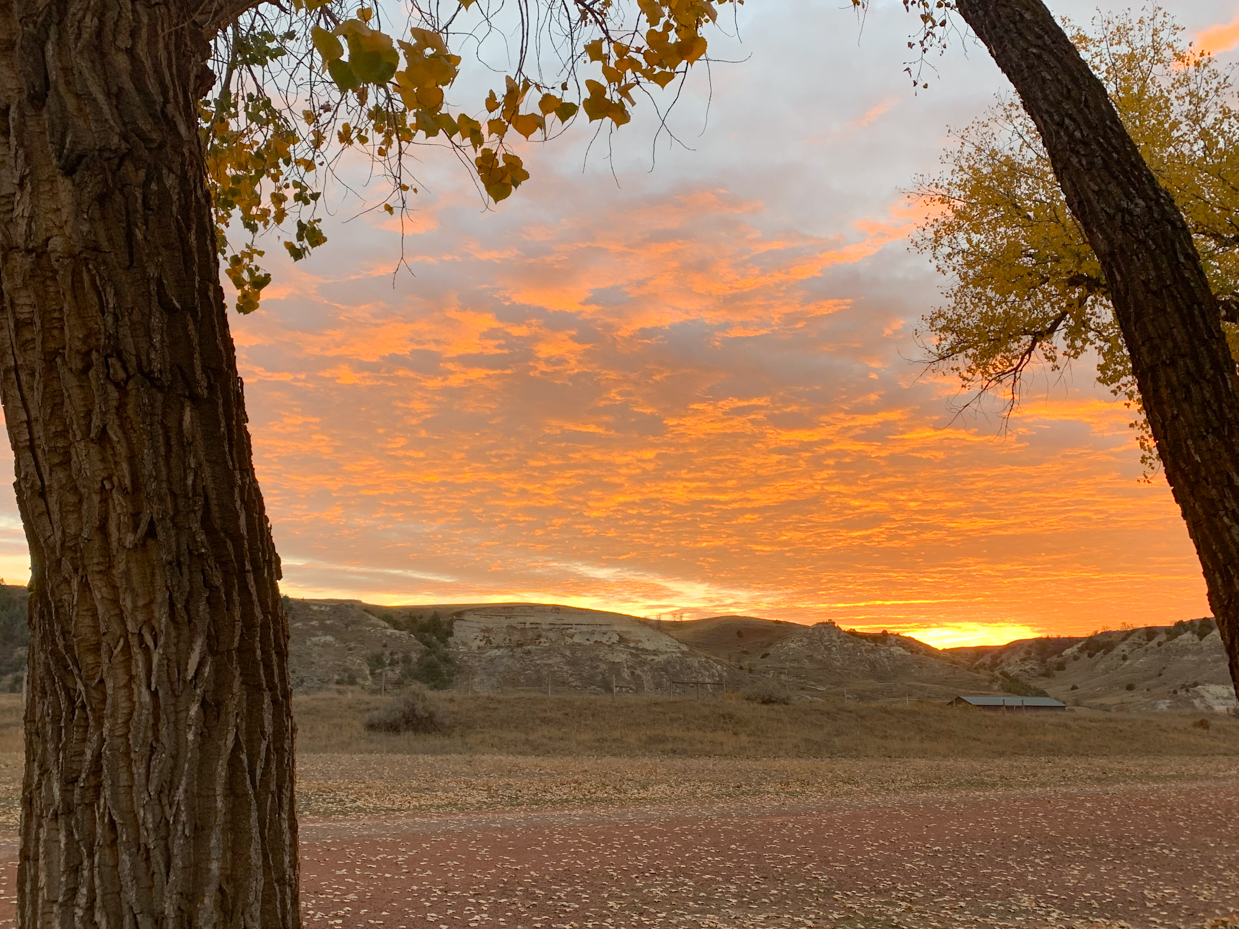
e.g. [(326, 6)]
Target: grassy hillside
[(737, 640), (1179, 667)]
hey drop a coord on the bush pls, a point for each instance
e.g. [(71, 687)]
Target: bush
[(1013, 685), (768, 692), (413, 711), (1201, 724), (435, 667)]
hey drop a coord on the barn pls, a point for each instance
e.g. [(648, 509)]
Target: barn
[(1004, 702)]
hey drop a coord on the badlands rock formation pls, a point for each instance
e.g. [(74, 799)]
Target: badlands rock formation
[(330, 642), (533, 646)]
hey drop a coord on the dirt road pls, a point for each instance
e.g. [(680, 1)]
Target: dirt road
[(1145, 855)]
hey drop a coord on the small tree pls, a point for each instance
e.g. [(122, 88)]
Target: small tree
[(1168, 315), (1026, 286)]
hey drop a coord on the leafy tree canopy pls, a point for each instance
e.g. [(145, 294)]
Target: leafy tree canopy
[(1026, 287), (300, 85)]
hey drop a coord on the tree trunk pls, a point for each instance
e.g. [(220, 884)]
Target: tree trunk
[(159, 741), (1169, 317)]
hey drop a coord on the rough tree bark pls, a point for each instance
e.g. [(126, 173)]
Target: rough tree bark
[(1170, 319), (159, 742)]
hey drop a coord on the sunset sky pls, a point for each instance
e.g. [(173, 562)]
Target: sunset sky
[(686, 378)]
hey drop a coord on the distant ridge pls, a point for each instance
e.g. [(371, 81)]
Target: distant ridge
[(526, 645), (733, 639)]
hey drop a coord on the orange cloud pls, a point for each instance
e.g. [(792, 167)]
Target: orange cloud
[(679, 403), (1221, 37)]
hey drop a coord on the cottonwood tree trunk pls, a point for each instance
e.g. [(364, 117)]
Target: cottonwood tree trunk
[(1169, 317), (159, 743)]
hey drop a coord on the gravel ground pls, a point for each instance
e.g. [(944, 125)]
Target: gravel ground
[(1132, 854), (459, 842), (369, 784)]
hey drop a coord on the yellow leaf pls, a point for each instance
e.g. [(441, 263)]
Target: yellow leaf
[(430, 97), (499, 191), (548, 103), (692, 49), (596, 108), (652, 11), (528, 123), (426, 39), (326, 44), (515, 169)]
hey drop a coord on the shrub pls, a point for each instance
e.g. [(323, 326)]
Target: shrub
[(413, 711), (1131, 686), (1011, 684), (767, 691), (435, 667), (1201, 723)]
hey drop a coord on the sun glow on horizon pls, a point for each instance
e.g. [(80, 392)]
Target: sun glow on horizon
[(964, 634)]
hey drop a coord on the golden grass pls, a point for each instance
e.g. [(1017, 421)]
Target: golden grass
[(523, 751), (639, 726), (11, 724)]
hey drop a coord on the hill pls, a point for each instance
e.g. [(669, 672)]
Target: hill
[(339, 642), (873, 666), (534, 646), (523, 646), (1178, 667), (735, 640)]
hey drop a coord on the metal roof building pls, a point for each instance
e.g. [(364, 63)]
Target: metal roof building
[(1003, 702)]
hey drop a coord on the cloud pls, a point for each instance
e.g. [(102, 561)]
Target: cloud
[(682, 375), (1218, 38), (671, 402)]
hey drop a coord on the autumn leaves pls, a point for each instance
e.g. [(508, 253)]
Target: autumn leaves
[(671, 43), (330, 78)]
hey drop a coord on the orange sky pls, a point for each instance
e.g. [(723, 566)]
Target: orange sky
[(694, 388)]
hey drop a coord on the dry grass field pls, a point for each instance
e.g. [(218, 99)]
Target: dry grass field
[(627, 812), (640, 726)]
